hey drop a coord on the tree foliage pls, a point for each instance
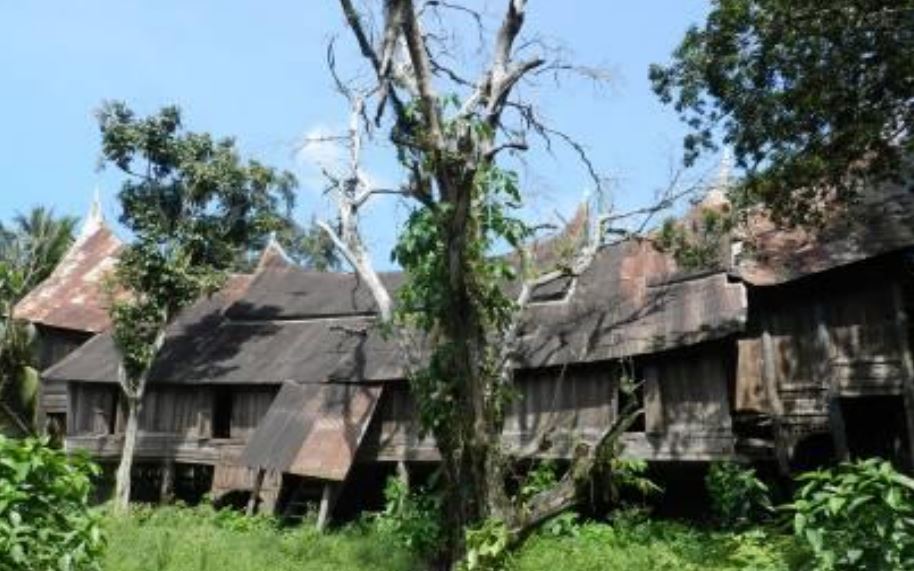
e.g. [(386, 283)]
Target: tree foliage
[(45, 519), (191, 203), (815, 98), (859, 515)]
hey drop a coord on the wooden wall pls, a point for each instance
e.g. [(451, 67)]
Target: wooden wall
[(803, 347), (53, 345), (812, 343), (185, 412), (686, 399)]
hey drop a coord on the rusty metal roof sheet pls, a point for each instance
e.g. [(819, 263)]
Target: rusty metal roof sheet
[(313, 429), (631, 301), (73, 296), (882, 222)]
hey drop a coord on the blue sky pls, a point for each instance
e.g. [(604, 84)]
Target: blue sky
[(256, 71)]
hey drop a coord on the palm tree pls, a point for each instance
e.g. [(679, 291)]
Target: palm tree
[(34, 243), (30, 248)]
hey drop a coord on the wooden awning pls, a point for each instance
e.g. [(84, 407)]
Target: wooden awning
[(313, 430)]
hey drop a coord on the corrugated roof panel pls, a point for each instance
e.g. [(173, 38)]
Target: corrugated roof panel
[(313, 430)]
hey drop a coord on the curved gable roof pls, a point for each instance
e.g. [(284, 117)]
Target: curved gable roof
[(73, 296)]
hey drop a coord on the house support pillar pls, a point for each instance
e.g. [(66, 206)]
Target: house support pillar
[(328, 499), (255, 492), (403, 473), (167, 486)]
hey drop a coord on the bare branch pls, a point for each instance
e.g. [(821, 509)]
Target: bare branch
[(421, 71)]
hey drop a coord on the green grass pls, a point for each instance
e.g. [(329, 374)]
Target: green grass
[(182, 539)]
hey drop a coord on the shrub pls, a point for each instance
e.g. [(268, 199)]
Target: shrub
[(412, 519), (487, 546), (45, 518), (859, 515), (738, 497)]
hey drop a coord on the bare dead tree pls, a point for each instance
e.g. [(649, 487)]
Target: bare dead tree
[(444, 148)]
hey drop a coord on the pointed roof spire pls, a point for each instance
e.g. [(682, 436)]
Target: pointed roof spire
[(274, 255), (94, 220), (716, 196)]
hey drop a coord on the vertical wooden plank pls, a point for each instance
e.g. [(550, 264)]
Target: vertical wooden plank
[(901, 331), (653, 404), (770, 379), (822, 368)]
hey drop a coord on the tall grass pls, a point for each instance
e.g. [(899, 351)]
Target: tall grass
[(200, 539)]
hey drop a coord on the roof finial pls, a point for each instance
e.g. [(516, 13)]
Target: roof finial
[(94, 220), (274, 255), (716, 195)]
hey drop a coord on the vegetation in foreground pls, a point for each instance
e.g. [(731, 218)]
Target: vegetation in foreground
[(200, 539)]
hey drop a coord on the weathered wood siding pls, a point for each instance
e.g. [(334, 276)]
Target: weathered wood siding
[(686, 399), (563, 404), (688, 392), (805, 346), (53, 345), (177, 412), (93, 409)]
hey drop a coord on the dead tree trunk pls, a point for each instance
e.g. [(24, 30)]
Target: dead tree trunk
[(445, 153)]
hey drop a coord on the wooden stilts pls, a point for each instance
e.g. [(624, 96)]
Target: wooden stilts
[(167, 487), (403, 473), (255, 492), (328, 498)]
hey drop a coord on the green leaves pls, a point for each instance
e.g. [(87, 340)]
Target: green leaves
[(738, 497), (814, 98), (856, 516), (193, 204), (45, 519), (411, 518)]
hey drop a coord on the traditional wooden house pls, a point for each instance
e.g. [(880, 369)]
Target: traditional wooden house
[(70, 306), (281, 385), (826, 357)]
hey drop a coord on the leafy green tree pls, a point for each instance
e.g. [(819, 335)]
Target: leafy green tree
[(46, 521), (34, 243), (191, 203), (815, 98), (30, 248)]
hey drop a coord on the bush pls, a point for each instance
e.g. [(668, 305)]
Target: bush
[(859, 515), (632, 541), (412, 519), (45, 519), (738, 497)]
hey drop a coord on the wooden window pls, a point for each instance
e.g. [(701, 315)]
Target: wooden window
[(222, 412)]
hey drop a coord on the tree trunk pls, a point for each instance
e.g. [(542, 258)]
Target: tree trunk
[(122, 484)]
